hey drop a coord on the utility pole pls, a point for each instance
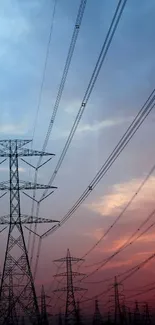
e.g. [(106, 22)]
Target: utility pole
[(17, 290), (71, 316), (97, 319)]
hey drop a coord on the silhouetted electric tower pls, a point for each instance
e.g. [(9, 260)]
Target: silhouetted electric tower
[(71, 315), (17, 290), (147, 317), (97, 319), (60, 319), (44, 315), (136, 314), (118, 312)]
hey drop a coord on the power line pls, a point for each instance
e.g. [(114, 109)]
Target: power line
[(101, 58), (40, 97), (138, 120), (131, 271), (59, 95), (66, 69), (120, 215), (128, 243), (45, 67), (94, 76)]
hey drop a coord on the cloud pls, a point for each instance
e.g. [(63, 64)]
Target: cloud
[(96, 234), (100, 125), (113, 203), (13, 26), (72, 107), (13, 129), (118, 243), (91, 128)]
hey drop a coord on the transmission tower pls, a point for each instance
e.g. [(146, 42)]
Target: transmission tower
[(147, 317), (97, 319), (118, 312), (44, 315), (17, 290), (71, 314), (137, 314), (60, 319)]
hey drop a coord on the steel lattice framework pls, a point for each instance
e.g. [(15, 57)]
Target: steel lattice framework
[(17, 290), (71, 313)]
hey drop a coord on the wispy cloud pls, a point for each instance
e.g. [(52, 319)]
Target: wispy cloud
[(88, 128), (13, 129), (115, 201), (13, 25), (100, 125)]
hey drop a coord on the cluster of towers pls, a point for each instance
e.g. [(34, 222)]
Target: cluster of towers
[(19, 303)]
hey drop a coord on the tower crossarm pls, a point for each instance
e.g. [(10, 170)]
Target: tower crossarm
[(69, 258), (5, 220), (31, 219), (64, 289), (31, 186), (29, 153), (4, 153), (21, 143), (65, 274), (25, 186)]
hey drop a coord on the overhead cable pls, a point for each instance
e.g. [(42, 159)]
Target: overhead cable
[(132, 129), (101, 58), (93, 79), (58, 98)]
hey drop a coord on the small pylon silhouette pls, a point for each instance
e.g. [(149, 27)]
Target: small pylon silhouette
[(60, 318), (118, 312), (44, 315), (71, 316), (136, 314), (147, 317), (124, 314), (129, 316), (109, 317), (97, 319)]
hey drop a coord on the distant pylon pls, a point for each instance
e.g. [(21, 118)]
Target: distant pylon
[(136, 314), (129, 316), (71, 316), (109, 317), (118, 312), (147, 317), (60, 318), (124, 315), (44, 316), (97, 318)]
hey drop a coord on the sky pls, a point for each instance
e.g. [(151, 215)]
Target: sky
[(126, 80)]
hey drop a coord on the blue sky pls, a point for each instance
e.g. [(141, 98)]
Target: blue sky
[(126, 80)]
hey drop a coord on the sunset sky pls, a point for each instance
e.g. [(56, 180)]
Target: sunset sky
[(126, 80)]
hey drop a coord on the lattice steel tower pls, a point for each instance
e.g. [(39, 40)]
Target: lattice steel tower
[(71, 313), (17, 290)]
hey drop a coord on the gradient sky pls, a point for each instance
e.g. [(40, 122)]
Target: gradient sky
[(126, 80)]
